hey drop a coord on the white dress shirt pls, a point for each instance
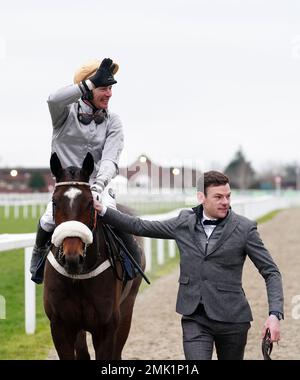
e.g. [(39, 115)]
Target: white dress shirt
[(208, 228)]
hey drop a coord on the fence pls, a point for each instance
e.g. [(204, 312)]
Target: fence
[(249, 207), (25, 205), (26, 241), (251, 204)]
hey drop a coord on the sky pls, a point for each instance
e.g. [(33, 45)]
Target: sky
[(198, 79)]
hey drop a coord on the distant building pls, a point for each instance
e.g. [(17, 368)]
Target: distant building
[(18, 180), (142, 173)]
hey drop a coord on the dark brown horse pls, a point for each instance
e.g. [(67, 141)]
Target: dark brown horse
[(82, 292)]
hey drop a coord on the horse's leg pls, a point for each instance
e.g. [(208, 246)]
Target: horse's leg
[(104, 341), (64, 341), (126, 311), (81, 348)]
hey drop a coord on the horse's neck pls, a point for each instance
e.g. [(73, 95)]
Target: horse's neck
[(102, 240), (98, 250)]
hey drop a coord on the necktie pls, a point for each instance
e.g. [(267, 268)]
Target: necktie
[(211, 222)]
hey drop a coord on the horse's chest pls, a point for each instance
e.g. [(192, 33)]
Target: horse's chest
[(87, 310)]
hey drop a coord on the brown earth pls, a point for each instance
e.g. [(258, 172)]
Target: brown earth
[(156, 329)]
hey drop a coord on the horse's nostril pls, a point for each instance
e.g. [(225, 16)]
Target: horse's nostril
[(80, 259), (63, 259)]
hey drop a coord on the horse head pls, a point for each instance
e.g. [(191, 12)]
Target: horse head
[(73, 212)]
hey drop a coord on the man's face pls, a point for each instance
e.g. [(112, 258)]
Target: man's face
[(101, 96), (216, 202)]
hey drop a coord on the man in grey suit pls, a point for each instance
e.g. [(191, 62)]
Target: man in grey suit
[(213, 242)]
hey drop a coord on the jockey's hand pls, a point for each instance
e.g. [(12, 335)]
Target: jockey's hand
[(273, 324), (104, 74), (97, 190), (97, 197)]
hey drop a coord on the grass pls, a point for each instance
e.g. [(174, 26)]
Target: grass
[(268, 217), (15, 344)]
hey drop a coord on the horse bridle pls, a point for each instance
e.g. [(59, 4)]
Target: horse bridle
[(93, 212)]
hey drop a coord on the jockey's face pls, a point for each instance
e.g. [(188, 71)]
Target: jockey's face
[(101, 96), (216, 201)]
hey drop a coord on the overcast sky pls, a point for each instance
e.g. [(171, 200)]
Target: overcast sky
[(198, 78)]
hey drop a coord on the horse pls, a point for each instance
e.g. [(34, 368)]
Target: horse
[(83, 291)]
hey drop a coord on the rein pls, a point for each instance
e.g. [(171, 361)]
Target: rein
[(267, 345)]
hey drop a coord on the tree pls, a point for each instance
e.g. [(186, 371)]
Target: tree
[(37, 181), (291, 177), (240, 172)]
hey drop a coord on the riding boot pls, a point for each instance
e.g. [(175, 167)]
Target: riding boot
[(39, 253), (133, 247)]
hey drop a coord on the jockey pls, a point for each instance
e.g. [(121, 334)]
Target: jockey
[(82, 123)]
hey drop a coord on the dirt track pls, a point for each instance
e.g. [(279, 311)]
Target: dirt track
[(156, 329)]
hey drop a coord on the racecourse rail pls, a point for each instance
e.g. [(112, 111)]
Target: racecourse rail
[(251, 207)]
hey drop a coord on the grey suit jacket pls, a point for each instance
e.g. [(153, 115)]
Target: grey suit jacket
[(211, 273)]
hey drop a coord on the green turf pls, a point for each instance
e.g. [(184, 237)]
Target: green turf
[(267, 217)]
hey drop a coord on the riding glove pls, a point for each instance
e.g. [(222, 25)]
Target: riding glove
[(104, 74)]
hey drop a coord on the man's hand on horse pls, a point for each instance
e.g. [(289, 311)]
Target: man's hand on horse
[(273, 324), (98, 206)]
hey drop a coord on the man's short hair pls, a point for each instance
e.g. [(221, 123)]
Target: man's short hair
[(211, 178)]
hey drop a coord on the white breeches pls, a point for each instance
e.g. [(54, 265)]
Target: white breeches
[(47, 221)]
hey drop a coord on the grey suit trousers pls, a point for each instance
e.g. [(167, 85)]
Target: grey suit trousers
[(201, 333)]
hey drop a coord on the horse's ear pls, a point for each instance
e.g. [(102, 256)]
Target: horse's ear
[(55, 165), (88, 165)]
